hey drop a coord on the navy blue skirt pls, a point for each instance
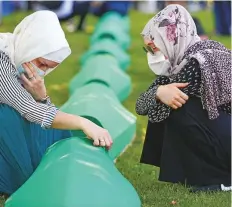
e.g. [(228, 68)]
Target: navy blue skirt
[(22, 145), (190, 148)]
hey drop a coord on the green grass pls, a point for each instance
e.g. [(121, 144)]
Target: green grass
[(144, 178)]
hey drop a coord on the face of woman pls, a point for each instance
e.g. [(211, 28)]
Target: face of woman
[(44, 64), (157, 61), (149, 46)]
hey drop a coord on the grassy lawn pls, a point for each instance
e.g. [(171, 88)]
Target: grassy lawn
[(144, 178)]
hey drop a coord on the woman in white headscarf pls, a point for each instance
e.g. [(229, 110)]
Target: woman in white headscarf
[(188, 105), (35, 48)]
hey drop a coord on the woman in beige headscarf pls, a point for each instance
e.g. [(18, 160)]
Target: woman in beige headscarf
[(188, 105), (35, 48)]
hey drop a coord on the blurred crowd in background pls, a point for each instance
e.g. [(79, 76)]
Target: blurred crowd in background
[(67, 10)]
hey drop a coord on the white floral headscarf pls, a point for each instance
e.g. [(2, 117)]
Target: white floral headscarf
[(173, 31)]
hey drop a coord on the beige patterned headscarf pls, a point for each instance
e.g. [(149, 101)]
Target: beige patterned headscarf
[(173, 31)]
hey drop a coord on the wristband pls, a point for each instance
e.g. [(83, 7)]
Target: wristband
[(44, 100)]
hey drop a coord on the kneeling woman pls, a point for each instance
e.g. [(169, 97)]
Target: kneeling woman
[(188, 105), (30, 123)]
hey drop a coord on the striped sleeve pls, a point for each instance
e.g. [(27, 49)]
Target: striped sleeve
[(13, 94), (49, 103)]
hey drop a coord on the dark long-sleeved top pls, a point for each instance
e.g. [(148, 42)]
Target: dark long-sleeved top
[(147, 104), (14, 94)]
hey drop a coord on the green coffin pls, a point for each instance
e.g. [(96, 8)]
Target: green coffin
[(112, 26), (73, 173), (99, 103), (114, 18), (107, 46), (103, 69)]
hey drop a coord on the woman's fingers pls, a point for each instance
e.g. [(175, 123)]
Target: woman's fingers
[(172, 105), (31, 72), (108, 143), (180, 85), (171, 95), (111, 140), (96, 142), (183, 96), (25, 80), (180, 99), (100, 136), (177, 103), (104, 141)]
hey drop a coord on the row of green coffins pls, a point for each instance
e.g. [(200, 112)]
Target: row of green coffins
[(103, 68), (73, 173), (115, 27)]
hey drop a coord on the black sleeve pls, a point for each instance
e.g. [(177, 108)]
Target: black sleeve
[(191, 74), (158, 111), (147, 99)]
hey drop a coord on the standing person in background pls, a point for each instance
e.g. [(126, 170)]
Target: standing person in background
[(30, 123), (161, 5), (0, 12), (66, 11), (101, 7), (222, 12), (203, 4)]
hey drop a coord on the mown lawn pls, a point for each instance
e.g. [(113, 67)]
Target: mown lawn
[(144, 178)]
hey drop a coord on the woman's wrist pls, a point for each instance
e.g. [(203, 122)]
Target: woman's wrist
[(69, 121), (82, 123), (45, 99), (157, 95)]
